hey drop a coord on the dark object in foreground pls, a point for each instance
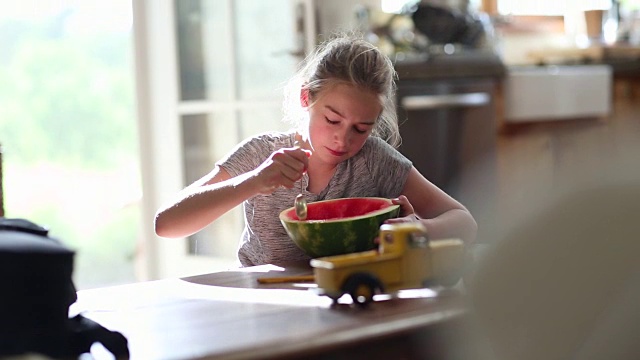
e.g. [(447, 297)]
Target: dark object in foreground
[(36, 273)]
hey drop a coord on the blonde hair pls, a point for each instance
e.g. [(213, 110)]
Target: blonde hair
[(346, 58)]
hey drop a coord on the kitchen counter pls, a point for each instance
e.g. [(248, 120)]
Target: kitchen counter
[(230, 315), (623, 59), (469, 64)]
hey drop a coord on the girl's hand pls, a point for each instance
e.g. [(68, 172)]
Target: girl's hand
[(283, 168), (407, 213)]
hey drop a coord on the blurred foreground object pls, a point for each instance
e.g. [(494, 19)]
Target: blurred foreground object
[(563, 280)]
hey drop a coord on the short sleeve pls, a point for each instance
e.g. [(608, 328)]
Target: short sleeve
[(388, 167), (247, 155)]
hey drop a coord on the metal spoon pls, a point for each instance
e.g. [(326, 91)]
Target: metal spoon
[(301, 207), (300, 202)]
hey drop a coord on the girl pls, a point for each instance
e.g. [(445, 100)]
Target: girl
[(342, 102)]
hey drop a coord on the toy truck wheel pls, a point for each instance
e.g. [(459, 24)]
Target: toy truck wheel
[(361, 287)]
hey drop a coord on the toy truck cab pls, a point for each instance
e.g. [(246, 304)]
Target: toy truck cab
[(405, 259)]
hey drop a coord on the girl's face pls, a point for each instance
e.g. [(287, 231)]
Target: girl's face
[(341, 119)]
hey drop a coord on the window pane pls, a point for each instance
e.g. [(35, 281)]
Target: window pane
[(550, 7), (260, 119), (264, 40), (262, 48), (217, 49), (190, 60), (68, 130), (206, 139), (541, 7), (204, 58)]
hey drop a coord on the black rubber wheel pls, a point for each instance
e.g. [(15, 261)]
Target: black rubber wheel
[(362, 287)]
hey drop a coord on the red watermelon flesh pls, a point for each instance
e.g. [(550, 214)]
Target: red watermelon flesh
[(340, 209), (338, 226)]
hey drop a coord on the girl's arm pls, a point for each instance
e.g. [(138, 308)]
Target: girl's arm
[(208, 198), (443, 216)]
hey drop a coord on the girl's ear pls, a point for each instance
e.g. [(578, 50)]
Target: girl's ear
[(304, 97)]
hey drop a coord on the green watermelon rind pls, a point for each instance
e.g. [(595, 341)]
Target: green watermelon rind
[(338, 236)]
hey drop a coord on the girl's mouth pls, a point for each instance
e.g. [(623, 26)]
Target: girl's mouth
[(337, 153)]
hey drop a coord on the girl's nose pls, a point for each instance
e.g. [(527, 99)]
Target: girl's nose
[(341, 137)]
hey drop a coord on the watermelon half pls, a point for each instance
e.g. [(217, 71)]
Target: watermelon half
[(338, 226)]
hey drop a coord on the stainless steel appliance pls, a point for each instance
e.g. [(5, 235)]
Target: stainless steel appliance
[(448, 123), (446, 126)]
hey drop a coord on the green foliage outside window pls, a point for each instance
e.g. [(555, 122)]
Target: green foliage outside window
[(69, 138)]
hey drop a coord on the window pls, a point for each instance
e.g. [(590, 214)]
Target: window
[(549, 7), (68, 129)]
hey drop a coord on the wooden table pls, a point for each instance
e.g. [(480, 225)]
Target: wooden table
[(230, 315)]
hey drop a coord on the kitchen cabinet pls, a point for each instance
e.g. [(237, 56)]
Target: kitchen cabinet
[(547, 93), (622, 58)]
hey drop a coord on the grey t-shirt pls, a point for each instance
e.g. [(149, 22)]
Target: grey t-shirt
[(377, 170)]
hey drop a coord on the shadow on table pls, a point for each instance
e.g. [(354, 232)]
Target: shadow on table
[(247, 278)]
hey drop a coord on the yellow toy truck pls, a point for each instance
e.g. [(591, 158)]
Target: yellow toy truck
[(405, 259)]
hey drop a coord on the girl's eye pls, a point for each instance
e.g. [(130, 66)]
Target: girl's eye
[(355, 128)]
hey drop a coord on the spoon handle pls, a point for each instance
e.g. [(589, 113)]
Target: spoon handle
[(300, 202)]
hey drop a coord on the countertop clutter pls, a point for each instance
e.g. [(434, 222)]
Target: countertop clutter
[(434, 41), (594, 53), (624, 59)]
